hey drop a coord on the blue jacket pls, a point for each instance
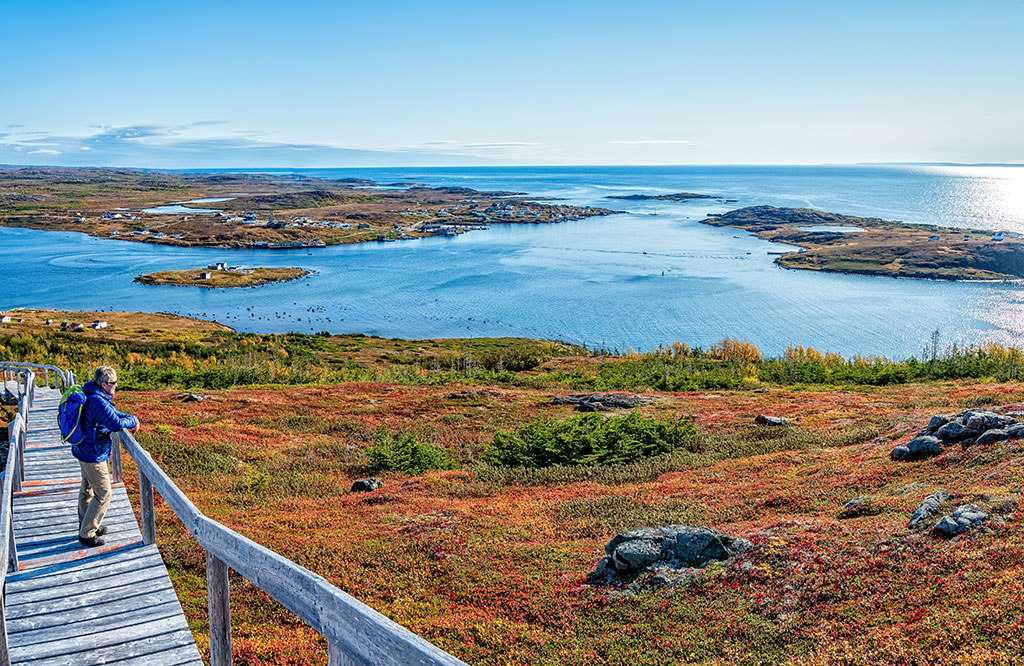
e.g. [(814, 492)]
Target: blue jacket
[(99, 419)]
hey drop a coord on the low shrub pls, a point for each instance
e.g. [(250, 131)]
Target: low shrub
[(404, 452), (590, 439)]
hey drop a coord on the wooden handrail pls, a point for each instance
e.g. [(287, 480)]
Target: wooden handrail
[(356, 634), (62, 379), (14, 474)]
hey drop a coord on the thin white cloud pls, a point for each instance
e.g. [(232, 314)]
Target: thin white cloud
[(635, 142), (44, 151)]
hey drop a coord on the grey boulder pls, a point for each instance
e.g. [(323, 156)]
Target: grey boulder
[(955, 432), (919, 448), (656, 548), (366, 485), (930, 507), (984, 420), (993, 435), (963, 519)]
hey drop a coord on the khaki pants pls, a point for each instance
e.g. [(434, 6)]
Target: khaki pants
[(93, 497)]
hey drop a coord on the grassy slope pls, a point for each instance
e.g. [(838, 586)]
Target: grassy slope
[(490, 563), (492, 569)]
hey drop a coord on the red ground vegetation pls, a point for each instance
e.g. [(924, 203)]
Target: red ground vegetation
[(493, 570)]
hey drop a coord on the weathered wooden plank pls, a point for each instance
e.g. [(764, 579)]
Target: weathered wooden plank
[(87, 643), (84, 592), (58, 556), (163, 650), (115, 616), (163, 597), (113, 565)]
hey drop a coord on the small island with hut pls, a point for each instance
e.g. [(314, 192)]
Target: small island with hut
[(222, 276)]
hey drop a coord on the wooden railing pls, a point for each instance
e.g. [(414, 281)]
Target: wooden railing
[(61, 380), (14, 474), (356, 634)]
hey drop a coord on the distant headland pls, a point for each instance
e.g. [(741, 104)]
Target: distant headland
[(848, 244), (256, 211)]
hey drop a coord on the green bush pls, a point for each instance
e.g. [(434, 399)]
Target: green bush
[(590, 439), (404, 452)]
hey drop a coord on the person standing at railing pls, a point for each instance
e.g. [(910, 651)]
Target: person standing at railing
[(99, 419)]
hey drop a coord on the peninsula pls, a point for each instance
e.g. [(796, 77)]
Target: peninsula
[(848, 244), (257, 211), (222, 277)]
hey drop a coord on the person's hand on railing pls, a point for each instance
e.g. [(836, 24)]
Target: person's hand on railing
[(138, 425)]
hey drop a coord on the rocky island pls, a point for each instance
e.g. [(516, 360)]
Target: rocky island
[(677, 196), (222, 277), (848, 244), (256, 211)]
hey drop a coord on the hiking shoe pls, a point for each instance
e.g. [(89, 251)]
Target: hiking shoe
[(101, 530), (91, 542)]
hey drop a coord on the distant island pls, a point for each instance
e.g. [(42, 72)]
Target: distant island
[(256, 211), (848, 244), (678, 196), (222, 277)]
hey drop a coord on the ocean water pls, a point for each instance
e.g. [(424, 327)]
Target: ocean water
[(647, 277)]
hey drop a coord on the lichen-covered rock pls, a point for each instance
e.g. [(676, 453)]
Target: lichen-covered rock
[(935, 423), (963, 519), (930, 507), (763, 419), (667, 547), (919, 448), (981, 420), (993, 435), (366, 485), (954, 432)]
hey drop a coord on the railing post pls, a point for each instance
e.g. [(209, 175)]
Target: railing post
[(219, 610), (12, 546), (116, 476), (147, 517), (5, 655), (14, 448)]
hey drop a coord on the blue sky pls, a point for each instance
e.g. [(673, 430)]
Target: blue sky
[(237, 84)]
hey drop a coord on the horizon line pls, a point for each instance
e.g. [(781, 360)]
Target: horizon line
[(517, 166)]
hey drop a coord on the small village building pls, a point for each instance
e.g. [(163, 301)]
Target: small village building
[(6, 319), (205, 275), (98, 324)]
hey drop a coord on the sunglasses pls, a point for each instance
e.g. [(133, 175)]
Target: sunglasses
[(114, 383)]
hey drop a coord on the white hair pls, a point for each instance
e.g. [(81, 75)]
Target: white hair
[(105, 373)]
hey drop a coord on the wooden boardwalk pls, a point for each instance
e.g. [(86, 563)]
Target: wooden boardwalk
[(77, 606)]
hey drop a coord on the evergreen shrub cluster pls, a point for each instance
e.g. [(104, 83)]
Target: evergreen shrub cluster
[(590, 439), (405, 452)]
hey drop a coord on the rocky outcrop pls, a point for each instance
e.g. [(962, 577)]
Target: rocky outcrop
[(969, 428), (600, 402), (655, 549)]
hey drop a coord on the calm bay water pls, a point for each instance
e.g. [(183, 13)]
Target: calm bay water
[(641, 279)]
